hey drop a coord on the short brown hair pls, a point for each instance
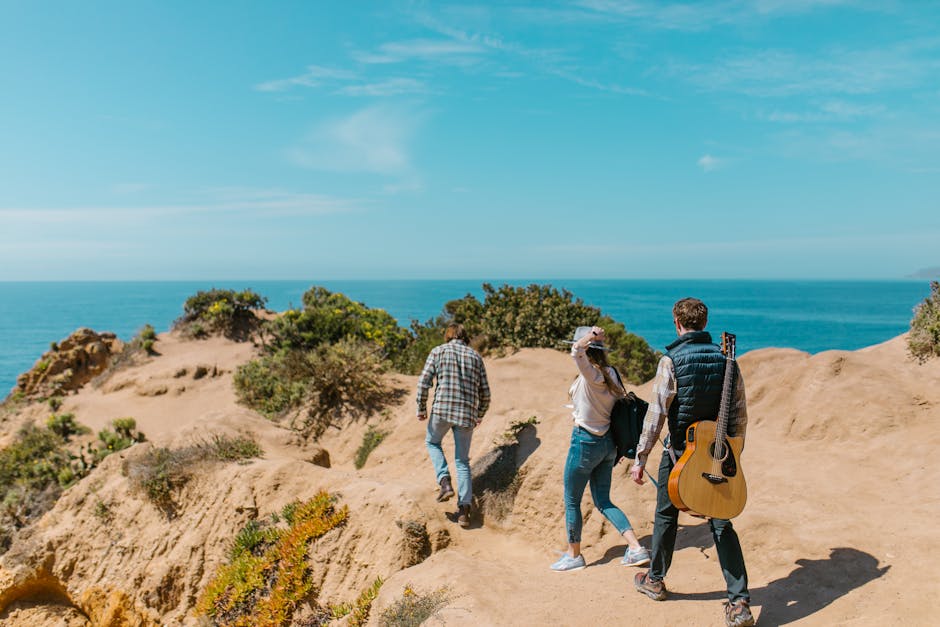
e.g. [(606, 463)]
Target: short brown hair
[(455, 331), (691, 313)]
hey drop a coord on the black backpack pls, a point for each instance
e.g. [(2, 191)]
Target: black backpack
[(626, 423)]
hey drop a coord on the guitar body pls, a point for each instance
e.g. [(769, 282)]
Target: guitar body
[(694, 484)]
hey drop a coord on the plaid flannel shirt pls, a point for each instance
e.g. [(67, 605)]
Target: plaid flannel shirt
[(664, 392), (462, 395)]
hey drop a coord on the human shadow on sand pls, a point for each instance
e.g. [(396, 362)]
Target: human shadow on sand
[(811, 586), (497, 475)]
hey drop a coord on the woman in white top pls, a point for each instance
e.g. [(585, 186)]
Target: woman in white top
[(592, 451)]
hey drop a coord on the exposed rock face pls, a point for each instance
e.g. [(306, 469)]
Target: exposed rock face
[(71, 364)]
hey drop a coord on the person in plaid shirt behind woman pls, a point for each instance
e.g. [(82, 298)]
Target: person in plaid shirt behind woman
[(461, 399)]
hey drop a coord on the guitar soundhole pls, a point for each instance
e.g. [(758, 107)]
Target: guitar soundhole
[(729, 467)]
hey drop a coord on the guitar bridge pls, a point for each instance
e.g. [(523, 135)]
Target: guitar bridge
[(715, 479)]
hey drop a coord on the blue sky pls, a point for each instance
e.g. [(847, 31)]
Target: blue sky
[(590, 138)]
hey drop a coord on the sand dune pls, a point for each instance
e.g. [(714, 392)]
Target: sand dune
[(838, 528)]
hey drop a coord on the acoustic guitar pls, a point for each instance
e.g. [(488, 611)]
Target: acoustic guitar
[(707, 480)]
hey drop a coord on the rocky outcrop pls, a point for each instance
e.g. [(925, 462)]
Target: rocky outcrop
[(70, 364)]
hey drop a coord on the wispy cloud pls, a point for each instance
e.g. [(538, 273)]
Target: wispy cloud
[(782, 73), (546, 61), (826, 112), (388, 87), (709, 163), (444, 50), (374, 139), (315, 76), (700, 16), (241, 201)]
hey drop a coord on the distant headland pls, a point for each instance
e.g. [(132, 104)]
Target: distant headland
[(932, 272)]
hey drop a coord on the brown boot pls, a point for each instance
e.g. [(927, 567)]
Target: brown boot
[(738, 614), (655, 590), (463, 516), (447, 490)]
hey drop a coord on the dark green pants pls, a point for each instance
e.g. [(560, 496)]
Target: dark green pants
[(665, 525)]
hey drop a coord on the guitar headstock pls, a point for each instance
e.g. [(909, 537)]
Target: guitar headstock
[(727, 344)]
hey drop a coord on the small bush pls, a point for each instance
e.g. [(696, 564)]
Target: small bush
[(530, 317), (358, 611), (102, 511), (34, 468), (147, 333), (329, 317), (224, 312), (265, 585), (269, 385), (334, 382), (55, 403), (413, 608), (924, 339), (161, 471), (123, 435), (370, 439), (64, 426), (233, 448)]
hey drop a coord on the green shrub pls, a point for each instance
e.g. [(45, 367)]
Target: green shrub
[(102, 511), (265, 585), (923, 342), (123, 435), (328, 317), (33, 470), (65, 426), (147, 333), (55, 403), (334, 382), (224, 312), (413, 608), (424, 337), (532, 317), (371, 439), (232, 448), (269, 385), (358, 611), (161, 471)]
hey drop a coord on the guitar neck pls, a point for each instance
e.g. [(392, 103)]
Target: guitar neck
[(724, 411)]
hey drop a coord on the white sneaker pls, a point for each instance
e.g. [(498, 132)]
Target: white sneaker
[(640, 557), (567, 563)]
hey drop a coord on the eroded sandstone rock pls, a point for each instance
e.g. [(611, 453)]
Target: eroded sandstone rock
[(70, 364)]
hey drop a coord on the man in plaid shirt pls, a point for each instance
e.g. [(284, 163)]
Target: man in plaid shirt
[(461, 399)]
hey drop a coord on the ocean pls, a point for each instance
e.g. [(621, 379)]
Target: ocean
[(812, 316)]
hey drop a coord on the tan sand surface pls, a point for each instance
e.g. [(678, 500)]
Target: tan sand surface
[(838, 530)]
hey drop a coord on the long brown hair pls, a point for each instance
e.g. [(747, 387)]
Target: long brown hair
[(598, 359)]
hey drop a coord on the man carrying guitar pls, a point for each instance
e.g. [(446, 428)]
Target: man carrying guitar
[(688, 388)]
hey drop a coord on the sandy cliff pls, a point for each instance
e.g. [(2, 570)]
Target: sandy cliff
[(838, 527)]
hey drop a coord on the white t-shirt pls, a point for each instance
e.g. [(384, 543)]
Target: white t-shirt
[(589, 394)]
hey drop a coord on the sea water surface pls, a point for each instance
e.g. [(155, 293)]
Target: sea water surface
[(807, 315)]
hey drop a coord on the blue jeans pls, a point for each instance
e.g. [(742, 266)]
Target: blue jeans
[(590, 458), (437, 429)]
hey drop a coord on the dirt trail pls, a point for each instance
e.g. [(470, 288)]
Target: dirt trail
[(839, 526)]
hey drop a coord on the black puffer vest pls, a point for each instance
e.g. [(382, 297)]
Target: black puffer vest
[(700, 374)]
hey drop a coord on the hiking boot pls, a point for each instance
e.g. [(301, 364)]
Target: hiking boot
[(463, 516), (640, 557), (738, 614), (447, 490), (568, 563), (655, 590)]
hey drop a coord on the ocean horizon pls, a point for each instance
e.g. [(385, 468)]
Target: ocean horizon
[(808, 315)]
